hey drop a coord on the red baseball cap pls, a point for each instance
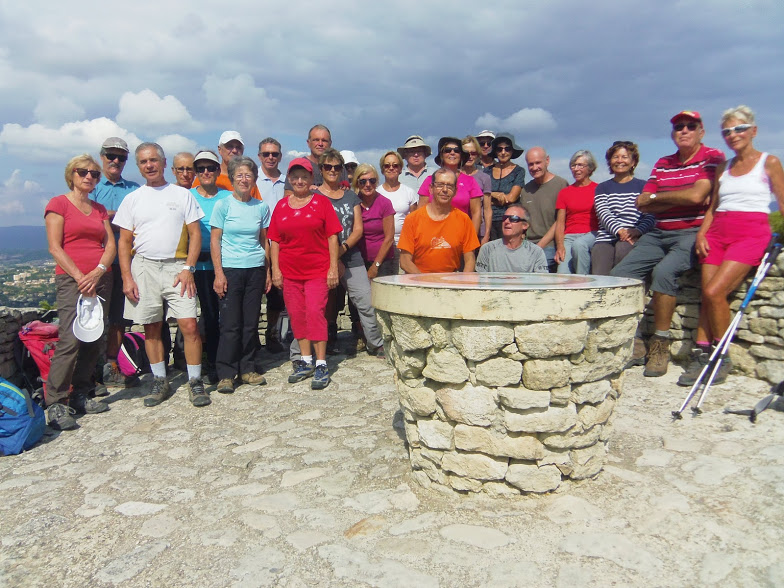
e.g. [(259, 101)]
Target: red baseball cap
[(687, 114), (301, 162)]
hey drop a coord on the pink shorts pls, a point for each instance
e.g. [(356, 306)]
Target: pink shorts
[(738, 236)]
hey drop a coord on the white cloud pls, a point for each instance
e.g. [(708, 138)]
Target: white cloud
[(21, 201), (173, 144), (239, 100), (57, 110), (526, 120), (58, 144), (148, 111)]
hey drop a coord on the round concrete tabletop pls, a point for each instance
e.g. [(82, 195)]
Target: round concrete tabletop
[(508, 297)]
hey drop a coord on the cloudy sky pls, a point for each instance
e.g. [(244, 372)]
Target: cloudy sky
[(563, 74)]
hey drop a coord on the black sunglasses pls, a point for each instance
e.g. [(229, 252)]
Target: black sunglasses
[(692, 126), (207, 168), (113, 156), (94, 173), (451, 150), (371, 181), (331, 167), (274, 154), (500, 148), (512, 218)]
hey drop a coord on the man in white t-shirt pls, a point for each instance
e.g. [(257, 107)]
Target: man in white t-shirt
[(160, 221)]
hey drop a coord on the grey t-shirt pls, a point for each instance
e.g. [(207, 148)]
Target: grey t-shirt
[(539, 201), (344, 208), (494, 256)]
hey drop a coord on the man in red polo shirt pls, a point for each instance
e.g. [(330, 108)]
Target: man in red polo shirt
[(678, 193)]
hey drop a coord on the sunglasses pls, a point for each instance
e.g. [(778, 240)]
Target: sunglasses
[(183, 169), (451, 150), (207, 168), (485, 142), (736, 129), (113, 156), (365, 181), (94, 173), (330, 167), (266, 154), (692, 126), (500, 148), (622, 144), (512, 218), (391, 165)]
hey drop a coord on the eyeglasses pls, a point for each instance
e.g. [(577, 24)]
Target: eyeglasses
[(117, 156), (451, 150), (485, 142), (736, 129), (512, 218), (391, 165), (243, 176), (365, 181), (622, 144), (265, 154), (578, 165), (470, 153), (352, 165), (330, 167), (692, 126), (207, 168), (500, 148), (183, 169), (94, 173), (443, 186)]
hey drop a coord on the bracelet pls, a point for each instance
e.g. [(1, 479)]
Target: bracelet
[(102, 266)]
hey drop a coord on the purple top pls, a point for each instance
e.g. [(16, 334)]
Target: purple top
[(373, 224)]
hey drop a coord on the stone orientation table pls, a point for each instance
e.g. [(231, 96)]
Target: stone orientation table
[(507, 382)]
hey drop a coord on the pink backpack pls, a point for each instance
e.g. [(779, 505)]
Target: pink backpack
[(132, 358)]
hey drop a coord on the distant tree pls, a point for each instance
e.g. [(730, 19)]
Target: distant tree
[(46, 305)]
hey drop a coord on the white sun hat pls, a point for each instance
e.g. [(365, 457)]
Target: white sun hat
[(88, 324)]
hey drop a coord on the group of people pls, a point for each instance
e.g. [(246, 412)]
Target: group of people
[(230, 231)]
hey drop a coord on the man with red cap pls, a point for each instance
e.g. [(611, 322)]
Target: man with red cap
[(678, 194)]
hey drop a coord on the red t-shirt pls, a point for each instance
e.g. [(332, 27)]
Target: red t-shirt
[(302, 234), (580, 213), (83, 234)]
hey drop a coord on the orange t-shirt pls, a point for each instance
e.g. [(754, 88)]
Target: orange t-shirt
[(224, 184), (437, 246)]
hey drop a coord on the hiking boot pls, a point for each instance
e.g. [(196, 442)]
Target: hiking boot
[(59, 417), (361, 345), (81, 403), (658, 356), (112, 376), (199, 396), (302, 371), (320, 378), (377, 352), (212, 374), (226, 386), (724, 371), (98, 390), (700, 359), (253, 378), (638, 353), (160, 391)]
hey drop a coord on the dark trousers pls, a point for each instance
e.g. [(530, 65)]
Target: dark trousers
[(239, 321), (73, 361), (210, 312)]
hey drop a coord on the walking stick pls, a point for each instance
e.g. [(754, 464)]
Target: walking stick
[(722, 348)]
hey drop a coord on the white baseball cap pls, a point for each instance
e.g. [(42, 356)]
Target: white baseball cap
[(88, 324), (227, 136)]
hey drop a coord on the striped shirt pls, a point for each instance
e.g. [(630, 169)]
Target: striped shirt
[(669, 174), (616, 209)]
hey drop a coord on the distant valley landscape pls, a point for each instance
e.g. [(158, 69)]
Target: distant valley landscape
[(23, 238)]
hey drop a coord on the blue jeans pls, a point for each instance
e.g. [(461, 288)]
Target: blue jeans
[(578, 253)]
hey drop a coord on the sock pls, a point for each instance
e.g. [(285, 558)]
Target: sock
[(308, 359), (321, 362), (704, 346), (665, 334), (194, 371), (158, 369)]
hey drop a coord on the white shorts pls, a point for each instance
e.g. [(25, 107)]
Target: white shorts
[(154, 280)]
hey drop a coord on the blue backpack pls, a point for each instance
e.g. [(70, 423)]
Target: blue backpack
[(22, 421)]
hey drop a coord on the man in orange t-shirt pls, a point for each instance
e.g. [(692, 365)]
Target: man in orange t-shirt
[(436, 237), (230, 145)]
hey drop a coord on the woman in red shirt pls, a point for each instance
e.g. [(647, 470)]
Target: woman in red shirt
[(576, 224), (303, 236), (82, 243)]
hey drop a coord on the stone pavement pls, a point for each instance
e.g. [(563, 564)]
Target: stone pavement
[(278, 485)]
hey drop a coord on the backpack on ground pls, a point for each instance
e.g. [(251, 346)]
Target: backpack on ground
[(132, 357), (22, 421), (37, 343)]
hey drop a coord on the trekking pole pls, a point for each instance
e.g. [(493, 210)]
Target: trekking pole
[(722, 348)]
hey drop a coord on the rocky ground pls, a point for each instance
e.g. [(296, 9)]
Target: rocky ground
[(278, 485)]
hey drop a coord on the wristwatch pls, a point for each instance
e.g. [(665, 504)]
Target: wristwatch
[(652, 196), (377, 263), (190, 268)]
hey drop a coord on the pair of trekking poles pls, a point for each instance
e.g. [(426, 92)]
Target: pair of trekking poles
[(721, 351)]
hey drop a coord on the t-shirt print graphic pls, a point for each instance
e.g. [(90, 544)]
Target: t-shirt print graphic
[(439, 243)]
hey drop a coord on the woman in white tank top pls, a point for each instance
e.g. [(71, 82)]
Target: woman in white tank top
[(735, 233)]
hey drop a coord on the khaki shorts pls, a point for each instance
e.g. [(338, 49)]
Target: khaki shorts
[(154, 280)]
